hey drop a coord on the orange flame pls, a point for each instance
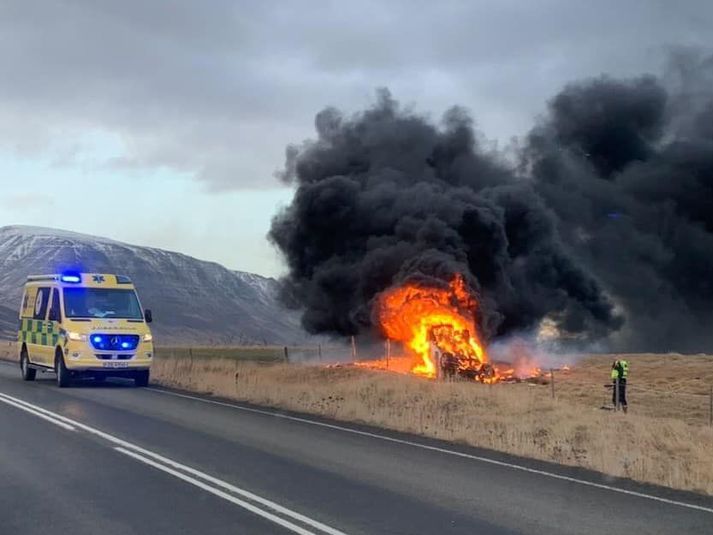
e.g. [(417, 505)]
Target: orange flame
[(422, 317)]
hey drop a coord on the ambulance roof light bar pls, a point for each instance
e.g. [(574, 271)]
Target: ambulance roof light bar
[(70, 277)]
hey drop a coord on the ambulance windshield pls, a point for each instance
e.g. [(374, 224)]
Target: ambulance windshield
[(101, 303)]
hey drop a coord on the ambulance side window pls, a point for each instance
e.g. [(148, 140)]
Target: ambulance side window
[(28, 303), (41, 302)]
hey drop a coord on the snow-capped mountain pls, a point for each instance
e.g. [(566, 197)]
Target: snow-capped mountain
[(8, 323), (193, 301)]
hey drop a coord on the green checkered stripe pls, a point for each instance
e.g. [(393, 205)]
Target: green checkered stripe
[(45, 333)]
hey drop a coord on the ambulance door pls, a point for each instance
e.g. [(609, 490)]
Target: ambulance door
[(38, 347), (27, 312), (53, 323)]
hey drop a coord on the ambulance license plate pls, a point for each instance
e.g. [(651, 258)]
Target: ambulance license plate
[(117, 364)]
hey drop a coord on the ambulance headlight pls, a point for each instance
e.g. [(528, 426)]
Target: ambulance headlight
[(148, 337), (77, 337)]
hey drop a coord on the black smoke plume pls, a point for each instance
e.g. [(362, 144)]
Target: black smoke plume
[(605, 227), (627, 167), (384, 197)]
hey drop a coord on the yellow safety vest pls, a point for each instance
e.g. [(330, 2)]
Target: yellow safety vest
[(624, 364)]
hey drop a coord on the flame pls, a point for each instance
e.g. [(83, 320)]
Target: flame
[(425, 317), (524, 361)]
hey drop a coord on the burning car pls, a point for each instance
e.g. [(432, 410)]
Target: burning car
[(437, 325)]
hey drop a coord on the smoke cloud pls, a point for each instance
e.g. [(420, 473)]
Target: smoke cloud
[(627, 167), (604, 228)]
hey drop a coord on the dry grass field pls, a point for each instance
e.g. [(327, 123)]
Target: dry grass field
[(252, 353), (7, 350), (661, 386), (664, 439)]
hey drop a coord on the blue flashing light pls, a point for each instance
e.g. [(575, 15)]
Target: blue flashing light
[(114, 342), (71, 278)]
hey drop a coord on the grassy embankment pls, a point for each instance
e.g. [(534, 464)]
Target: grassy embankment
[(664, 439), (7, 350)]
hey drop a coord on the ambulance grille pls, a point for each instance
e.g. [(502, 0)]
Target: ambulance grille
[(114, 342)]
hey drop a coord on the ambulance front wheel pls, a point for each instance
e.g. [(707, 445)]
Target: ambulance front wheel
[(141, 378), (63, 377), (28, 374)]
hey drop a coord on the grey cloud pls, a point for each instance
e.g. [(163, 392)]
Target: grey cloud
[(217, 90)]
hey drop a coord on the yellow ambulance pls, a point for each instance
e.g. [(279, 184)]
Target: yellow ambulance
[(84, 325)]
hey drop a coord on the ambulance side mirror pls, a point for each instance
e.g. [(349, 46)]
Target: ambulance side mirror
[(148, 317), (54, 315)]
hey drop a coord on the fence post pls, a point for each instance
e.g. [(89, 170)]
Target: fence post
[(616, 393), (354, 351), (710, 408), (287, 355), (552, 382), (319, 350), (388, 352)]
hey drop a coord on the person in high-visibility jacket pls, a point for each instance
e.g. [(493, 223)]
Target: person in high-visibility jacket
[(620, 372)]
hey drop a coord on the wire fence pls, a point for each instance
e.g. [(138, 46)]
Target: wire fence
[(698, 406)]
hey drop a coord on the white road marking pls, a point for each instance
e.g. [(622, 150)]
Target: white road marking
[(166, 463), (445, 451), (217, 492), (38, 414)]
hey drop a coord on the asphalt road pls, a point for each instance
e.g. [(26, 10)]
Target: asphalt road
[(114, 459)]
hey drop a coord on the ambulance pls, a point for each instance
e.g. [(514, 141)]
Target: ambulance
[(84, 325)]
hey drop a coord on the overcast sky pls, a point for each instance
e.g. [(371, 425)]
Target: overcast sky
[(162, 123)]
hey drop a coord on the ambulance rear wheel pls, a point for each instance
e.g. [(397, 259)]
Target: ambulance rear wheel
[(63, 378), (141, 378), (28, 374)]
